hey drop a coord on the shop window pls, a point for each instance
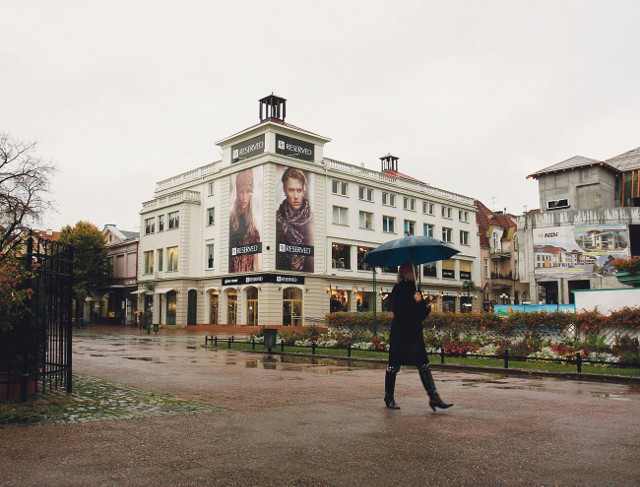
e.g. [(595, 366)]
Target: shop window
[(232, 307), (252, 306), (362, 252), (340, 256), (214, 303), (292, 306)]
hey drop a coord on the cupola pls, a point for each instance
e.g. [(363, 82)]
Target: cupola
[(389, 163), (273, 107)]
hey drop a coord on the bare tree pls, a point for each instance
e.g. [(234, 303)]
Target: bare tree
[(24, 187)]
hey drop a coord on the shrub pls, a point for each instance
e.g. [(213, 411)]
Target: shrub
[(631, 265)]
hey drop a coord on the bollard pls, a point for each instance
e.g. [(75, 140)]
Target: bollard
[(349, 350), (282, 345), (579, 362), (229, 346), (442, 355), (215, 342), (313, 348), (506, 358)]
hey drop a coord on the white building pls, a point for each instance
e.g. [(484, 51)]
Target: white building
[(212, 250)]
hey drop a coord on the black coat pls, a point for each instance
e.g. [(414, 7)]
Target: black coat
[(406, 344)]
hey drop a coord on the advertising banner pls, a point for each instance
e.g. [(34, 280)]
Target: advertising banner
[(248, 148), (299, 149), (294, 220), (245, 220), (580, 251)]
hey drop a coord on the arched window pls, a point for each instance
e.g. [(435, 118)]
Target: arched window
[(292, 306), (232, 307), (214, 303), (252, 306)]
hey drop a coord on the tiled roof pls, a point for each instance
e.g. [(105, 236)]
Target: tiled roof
[(628, 161), (487, 218), (398, 174), (572, 163)]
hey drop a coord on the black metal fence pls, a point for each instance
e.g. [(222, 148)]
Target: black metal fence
[(505, 357), (41, 335)]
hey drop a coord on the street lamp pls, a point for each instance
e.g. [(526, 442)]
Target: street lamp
[(467, 287), (504, 298)]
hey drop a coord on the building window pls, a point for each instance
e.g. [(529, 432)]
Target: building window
[(365, 194), (174, 220), (340, 215), (252, 306), (340, 256), (409, 227), (292, 306), (210, 191), (366, 220), (485, 268), (429, 270), (427, 230), (409, 204), (210, 254), (446, 212), (447, 234), (495, 242), (427, 207), (211, 216), (148, 262), (388, 224), (161, 223), (149, 226), (339, 187), (160, 253), (464, 237), (362, 252), (463, 216), (388, 199), (172, 259)]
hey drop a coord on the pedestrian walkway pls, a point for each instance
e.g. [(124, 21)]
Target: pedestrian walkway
[(268, 420)]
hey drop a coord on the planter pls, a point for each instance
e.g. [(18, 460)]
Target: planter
[(629, 278), (10, 386)]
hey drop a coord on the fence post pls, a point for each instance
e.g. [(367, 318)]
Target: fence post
[(313, 348), (215, 342), (282, 345), (506, 358), (349, 349), (442, 355), (579, 362), (229, 344)]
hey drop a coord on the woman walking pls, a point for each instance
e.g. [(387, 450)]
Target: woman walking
[(406, 344)]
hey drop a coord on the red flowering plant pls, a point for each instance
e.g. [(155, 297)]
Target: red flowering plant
[(632, 265)]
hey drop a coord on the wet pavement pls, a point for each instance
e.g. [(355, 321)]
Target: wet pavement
[(260, 419)]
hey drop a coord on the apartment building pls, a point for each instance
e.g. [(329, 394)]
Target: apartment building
[(275, 233)]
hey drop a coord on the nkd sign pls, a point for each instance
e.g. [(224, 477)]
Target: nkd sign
[(248, 148), (261, 279), (299, 149)]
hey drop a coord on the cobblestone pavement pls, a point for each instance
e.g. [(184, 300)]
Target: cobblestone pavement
[(264, 421)]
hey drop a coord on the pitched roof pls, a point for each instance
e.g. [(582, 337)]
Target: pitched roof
[(486, 219), (398, 174), (628, 161), (571, 163)]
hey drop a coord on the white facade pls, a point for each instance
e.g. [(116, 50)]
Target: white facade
[(348, 214)]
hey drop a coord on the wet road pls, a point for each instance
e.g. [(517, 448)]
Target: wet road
[(299, 423)]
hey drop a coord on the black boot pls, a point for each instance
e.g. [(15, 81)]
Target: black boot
[(430, 387), (390, 387)]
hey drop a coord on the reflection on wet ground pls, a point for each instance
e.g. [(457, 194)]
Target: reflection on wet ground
[(166, 350)]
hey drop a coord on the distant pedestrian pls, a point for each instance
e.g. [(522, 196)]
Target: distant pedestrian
[(406, 343)]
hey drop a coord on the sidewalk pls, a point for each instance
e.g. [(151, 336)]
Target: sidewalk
[(267, 420)]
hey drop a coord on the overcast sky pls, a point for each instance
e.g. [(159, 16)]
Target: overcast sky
[(472, 96)]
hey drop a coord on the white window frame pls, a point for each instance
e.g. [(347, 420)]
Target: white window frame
[(428, 229), (210, 257), (172, 259), (365, 219), (365, 193), (447, 234), (387, 222), (464, 237), (211, 216), (342, 215), (339, 188), (174, 220)]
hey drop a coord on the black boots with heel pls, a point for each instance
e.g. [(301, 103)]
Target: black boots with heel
[(430, 387), (390, 387)]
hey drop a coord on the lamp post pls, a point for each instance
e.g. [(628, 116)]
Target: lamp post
[(504, 298), (467, 287)]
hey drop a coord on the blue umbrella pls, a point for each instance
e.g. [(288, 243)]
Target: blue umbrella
[(414, 249)]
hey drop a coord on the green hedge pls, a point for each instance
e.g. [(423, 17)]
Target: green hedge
[(557, 321)]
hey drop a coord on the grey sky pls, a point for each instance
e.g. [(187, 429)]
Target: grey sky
[(472, 96)]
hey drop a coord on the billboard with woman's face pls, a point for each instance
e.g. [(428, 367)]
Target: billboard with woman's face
[(294, 220), (245, 222)]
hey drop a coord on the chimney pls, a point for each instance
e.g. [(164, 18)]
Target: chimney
[(273, 107), (389, 163)]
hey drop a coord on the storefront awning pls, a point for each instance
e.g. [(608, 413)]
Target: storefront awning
[(139, 291), (164, 290)]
